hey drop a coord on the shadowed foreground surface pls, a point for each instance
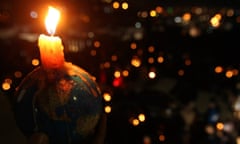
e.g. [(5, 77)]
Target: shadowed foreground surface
[(9, 133)]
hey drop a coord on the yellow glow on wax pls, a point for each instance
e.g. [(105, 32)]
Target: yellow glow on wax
[(51, 48)]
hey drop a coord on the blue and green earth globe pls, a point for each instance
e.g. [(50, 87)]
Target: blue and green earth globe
[(65, 104)]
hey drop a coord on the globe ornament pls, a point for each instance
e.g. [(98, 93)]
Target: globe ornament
[(65, 104)]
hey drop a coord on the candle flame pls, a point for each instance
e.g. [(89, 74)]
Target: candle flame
[(51, 20)]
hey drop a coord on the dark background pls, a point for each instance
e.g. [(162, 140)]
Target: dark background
[(85, 22)]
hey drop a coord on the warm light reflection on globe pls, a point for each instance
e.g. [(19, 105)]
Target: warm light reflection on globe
[(65, 104)]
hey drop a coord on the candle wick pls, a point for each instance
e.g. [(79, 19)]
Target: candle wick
[(51, 32)]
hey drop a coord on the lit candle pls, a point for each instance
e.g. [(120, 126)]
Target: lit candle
[(51, 48)]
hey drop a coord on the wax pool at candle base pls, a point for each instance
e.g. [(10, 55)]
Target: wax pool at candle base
[(51, 51), (66, 108)]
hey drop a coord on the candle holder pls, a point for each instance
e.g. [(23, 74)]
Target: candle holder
[(65, 104)]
